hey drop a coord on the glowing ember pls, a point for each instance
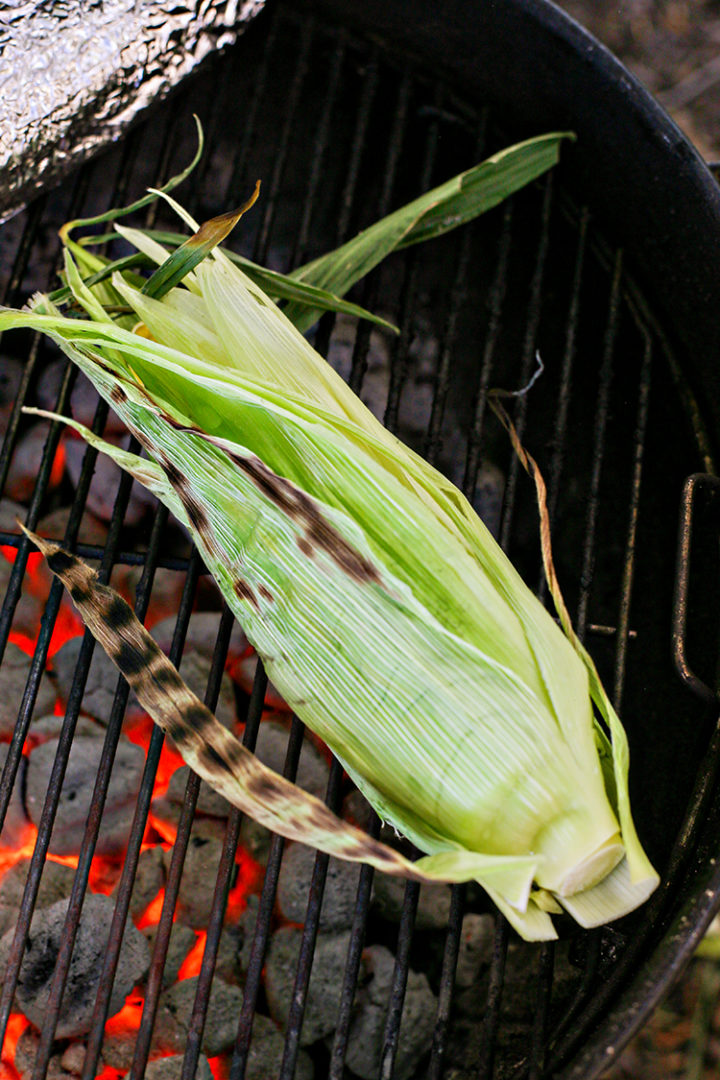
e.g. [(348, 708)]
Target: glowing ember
[(193, 961), (151, 915), (16, 1025)]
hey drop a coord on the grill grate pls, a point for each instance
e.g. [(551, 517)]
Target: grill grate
[(340, 133)]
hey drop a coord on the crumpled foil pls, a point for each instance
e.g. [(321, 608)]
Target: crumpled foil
[(74, 73)]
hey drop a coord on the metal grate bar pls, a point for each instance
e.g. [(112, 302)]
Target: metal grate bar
[(352, 964), (283, 146), (401, 344), (262, 925), (623, 634), (319, 151), (400, 975), (239, 176), (362, 123), (565, 391), (491, 1019), (598, 453), (371, 289), (222, 888), (458, 296), (496, 300), (542, 1006), (309, 937), (532, 322), (447, 983)]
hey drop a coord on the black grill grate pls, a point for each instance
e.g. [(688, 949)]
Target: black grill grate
[(340, 132)]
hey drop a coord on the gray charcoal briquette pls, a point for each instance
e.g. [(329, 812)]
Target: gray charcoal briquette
[(325, 986), (175, 1010), (56, 883), (341, 884), (13, 677), (37, 966), (367, 1028), (77, 789), (266, 1053)]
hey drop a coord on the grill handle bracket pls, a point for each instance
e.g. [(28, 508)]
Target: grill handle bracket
[(697, 486)]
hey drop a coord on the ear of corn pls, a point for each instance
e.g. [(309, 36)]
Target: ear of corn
[(383, 609)]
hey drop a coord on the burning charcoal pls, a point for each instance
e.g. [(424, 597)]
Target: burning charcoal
[(326, 979), (105, 483), (13, 677), (73, 1059), (197, 885), (25, 464), (170, 1068), (26, 1052), (236, 943), (149, 880), (41, 952), (77, 789), (56, 884), (266, 1053), (15, 827), (476, 944), (433, 907), (201, 635), (181, 941), (175, 1010), (101, 681), (84, 399), (367, 1028), (243, 672), (341, 886)]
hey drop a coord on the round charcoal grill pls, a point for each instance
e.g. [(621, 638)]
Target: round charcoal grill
[(607, 269)]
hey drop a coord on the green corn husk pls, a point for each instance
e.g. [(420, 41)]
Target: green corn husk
[(384, 611)]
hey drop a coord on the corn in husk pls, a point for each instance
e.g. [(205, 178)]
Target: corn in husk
[(383, 610)]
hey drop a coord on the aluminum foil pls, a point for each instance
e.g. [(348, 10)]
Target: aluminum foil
[(74, 73)]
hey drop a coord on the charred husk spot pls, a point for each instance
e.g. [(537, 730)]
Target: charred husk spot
[(320, 533), (133, 661), (174, 475), (243, 591), (60, 562), (215, 761), (118, 614), (196, 514)]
